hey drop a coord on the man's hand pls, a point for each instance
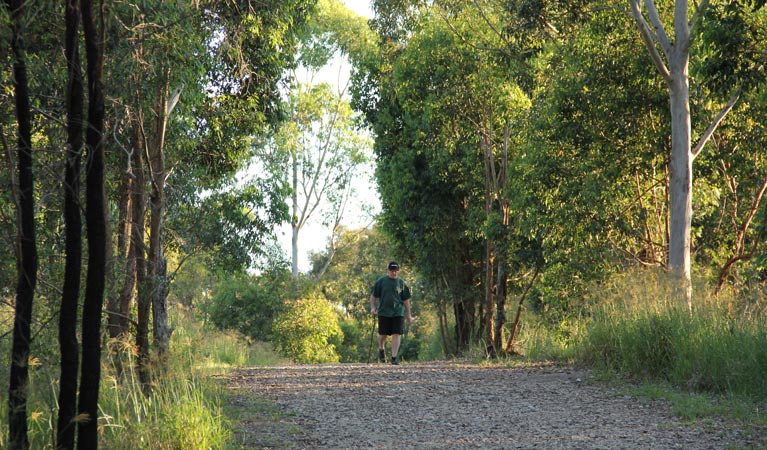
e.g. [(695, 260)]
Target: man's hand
[(410, 319), (373, 312)]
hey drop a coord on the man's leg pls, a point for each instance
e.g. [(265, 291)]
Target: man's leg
[(381, 352), (395, 339)]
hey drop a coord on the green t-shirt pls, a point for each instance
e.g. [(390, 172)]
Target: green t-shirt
[(391, 294)]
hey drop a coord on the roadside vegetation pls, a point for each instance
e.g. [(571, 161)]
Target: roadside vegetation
[(187, 408), (708, 362)]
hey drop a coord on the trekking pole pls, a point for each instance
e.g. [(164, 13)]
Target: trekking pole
[(372, 333)]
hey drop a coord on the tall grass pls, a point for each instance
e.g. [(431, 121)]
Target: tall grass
[(185, 406), (640, 327)]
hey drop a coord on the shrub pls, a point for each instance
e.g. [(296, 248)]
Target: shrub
[(307, 331), (248, 304)]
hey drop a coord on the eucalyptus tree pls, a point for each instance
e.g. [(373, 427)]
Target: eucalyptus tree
[(598, 103), (315, 152), (65, 425), (670, 54), (204, 81), (592, 104), (155, 67), (457, 87), (341, 144), (96, 226)]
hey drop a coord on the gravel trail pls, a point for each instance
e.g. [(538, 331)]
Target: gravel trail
[(464, 406)]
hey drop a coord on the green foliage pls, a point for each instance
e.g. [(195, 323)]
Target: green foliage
[(359, 258), (249, 304), (229, 228), (359, 341), (332, 29), (308, 331), (185, 409), (641, 327)]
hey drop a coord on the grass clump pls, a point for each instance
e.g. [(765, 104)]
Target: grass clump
[(184, 408), (641, 328)]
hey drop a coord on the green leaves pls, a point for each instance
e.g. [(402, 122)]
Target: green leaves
[(306, 329)]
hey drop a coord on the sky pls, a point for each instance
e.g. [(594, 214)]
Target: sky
[(314, 236), (361, 7)]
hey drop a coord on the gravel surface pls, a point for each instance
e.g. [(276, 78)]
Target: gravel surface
[(462, 406)]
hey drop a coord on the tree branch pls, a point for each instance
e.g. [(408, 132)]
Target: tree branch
[(697, 17), (660, 30), (649, 38), (715, 123)]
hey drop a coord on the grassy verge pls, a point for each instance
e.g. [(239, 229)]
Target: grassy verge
[(708, 361), (186, 409)]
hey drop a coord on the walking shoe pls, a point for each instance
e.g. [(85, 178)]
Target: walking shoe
[(381, 356), (394, 361)]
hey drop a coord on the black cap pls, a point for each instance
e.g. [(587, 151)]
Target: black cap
[(393, 266)]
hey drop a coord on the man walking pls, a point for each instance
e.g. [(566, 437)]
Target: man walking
[(390, 301)]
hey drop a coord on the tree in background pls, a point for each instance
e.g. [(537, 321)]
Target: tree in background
[(202, 87), (250, 303), (589, 103), (446, 108)]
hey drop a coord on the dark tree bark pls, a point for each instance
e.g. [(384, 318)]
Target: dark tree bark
[(118, 303), (502, 252), (138, 250), (157, 264), (27, 246), (95, 218), (67, 401)]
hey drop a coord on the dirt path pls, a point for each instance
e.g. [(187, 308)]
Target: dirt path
[(461, 406)]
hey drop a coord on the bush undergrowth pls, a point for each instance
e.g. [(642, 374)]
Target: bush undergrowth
[(184, 409), (641, 328)]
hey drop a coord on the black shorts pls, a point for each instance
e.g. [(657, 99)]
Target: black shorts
[(390, 325)]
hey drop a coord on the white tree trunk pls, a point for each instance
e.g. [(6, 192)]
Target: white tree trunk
[(677, 55), (295, 225), (680, 165)]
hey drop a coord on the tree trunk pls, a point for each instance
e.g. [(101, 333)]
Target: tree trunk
[(515, 327), (138, 250), (70, 357), (27, 254), (157, 263), (116, 319), (500, 312), (462, 328), (95, 216), (680, 169), (489, 306), (294, 223), (502, 253), (680, 163)]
